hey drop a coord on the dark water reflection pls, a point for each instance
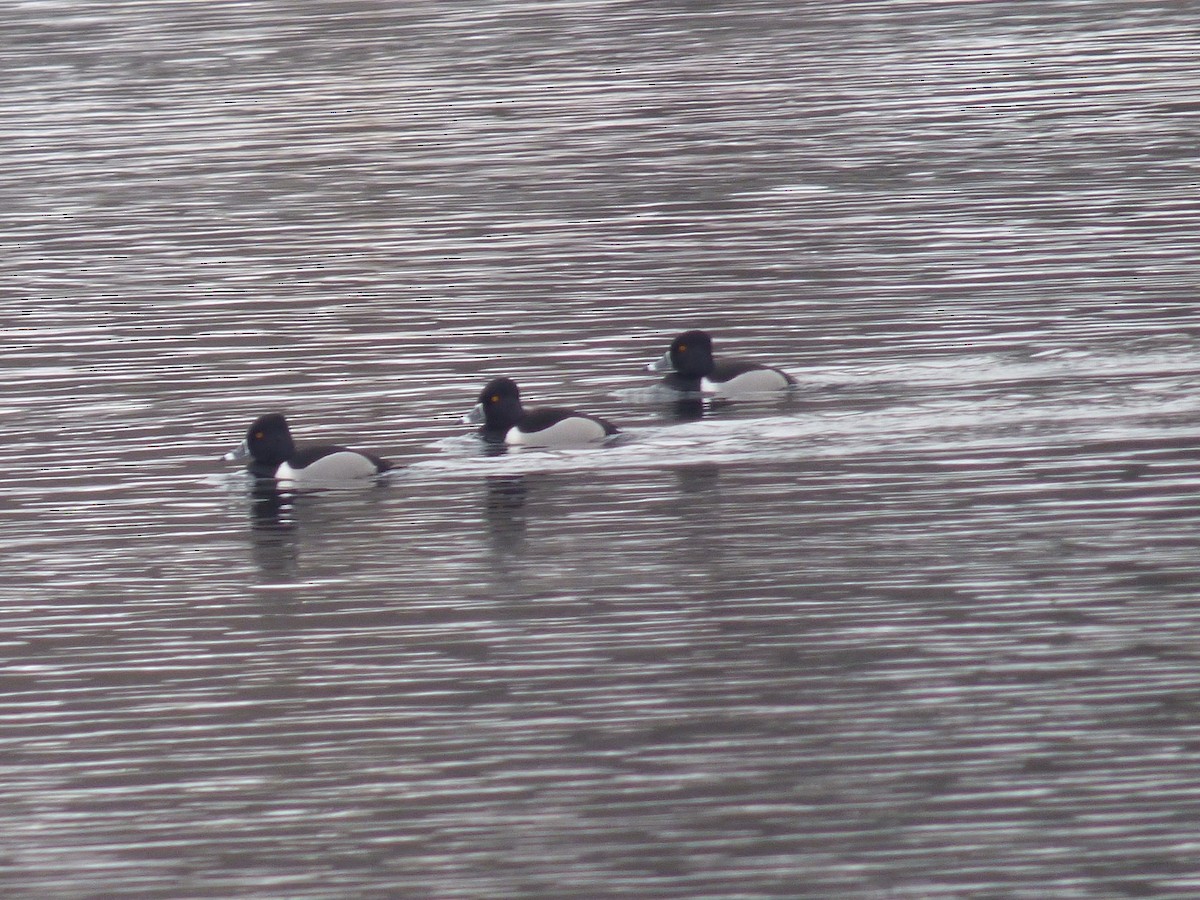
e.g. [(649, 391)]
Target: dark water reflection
[(925, 630)]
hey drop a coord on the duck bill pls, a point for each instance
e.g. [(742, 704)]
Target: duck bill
[(662, 364), (241, 451), (475, 416)]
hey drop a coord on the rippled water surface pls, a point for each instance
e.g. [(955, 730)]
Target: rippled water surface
[(928, 629)]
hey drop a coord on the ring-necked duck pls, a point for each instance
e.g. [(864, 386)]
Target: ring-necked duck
[(693, 370), (505, 420), (274, 454)]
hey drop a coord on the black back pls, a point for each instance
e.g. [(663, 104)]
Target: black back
[(270, 443), (502, 409), (692, 359), (728, 369), (306, 456), (542, 418)]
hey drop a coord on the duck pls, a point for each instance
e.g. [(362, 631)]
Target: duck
[(273, 454), (504, 420), (691, 369)]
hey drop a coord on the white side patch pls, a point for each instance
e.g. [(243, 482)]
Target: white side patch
[(756, 381), (567, 433), (341, 466)]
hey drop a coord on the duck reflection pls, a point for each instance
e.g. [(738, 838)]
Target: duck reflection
[(690, 407), (286, 527), (492, 447), (270, 508), (698, 480), (273, 534), (504, 515), (686, 409), (698, 508)]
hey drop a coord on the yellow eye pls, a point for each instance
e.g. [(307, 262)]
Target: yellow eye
[(495, 398), (683, 348), (258, 435)]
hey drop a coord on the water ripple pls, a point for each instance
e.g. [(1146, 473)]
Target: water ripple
[(923, 630)]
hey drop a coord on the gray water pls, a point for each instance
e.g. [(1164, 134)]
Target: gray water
[(929, 629)]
